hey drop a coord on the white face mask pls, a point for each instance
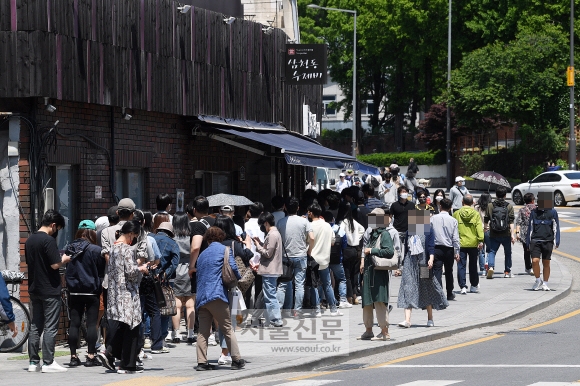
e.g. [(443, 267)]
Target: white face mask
[(439, 198), (404, 195)]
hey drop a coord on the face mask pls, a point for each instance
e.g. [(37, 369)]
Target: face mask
[(404, 195), (422, 200), (263, 228), (134, 241), (55, 234), (439, 198)]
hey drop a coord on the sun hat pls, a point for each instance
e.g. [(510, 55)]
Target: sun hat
[(167, 227)]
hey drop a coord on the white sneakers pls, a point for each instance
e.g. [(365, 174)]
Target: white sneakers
[(537, 285), (345, 305), (34, 367), (464, 291), (508, 275), (336, 313), (490, 273), (430, 323), (545, 287), (474, 289), (225, 360), (52, 368), (211, 341)]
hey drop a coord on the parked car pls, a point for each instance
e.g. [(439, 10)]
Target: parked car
[(565, 184)]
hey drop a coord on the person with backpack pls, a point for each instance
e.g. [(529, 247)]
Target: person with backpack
[(457, 192), (543, 230), (521, 225), (500, 216), (339, 244)]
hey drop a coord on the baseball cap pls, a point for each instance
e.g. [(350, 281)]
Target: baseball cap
[(87, 224), (227, 208), (342, 175), (126, 204), (459, 178)]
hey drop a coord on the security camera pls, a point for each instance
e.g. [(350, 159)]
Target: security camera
[(229, 20), (127, 117), (50, 108), (184, 8)]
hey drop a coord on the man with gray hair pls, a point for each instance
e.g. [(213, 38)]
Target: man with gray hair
[(470, 230)]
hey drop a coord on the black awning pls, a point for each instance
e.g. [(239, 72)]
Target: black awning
[(300, 150)]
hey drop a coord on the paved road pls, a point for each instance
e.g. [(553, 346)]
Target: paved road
[(540, 349)]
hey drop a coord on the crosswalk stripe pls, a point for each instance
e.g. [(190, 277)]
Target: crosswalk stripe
[(554, 384), (483, 365), (309, 382), (430, 383)]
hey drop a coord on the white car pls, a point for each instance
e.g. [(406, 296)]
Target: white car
[(564, 184)]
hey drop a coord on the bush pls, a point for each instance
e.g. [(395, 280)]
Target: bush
[(402, 158), (472, 163)]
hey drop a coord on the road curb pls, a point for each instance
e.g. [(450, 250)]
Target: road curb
[(337, 360)]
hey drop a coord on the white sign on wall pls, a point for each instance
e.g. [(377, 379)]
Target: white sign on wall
[(98, 192)]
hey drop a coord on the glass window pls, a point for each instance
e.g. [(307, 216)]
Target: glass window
[(329, 108), (542, 178), (220, 183), (555, 177), (573, 176), (63, 202), (130, 183)]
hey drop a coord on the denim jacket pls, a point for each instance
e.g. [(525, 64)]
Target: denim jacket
[(169, 254)]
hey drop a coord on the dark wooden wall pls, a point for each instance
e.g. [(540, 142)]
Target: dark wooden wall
[(146, 55)]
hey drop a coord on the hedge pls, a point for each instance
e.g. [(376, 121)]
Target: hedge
[(402, 158)]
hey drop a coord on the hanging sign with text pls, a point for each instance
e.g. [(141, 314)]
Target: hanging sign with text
[(305, 64)]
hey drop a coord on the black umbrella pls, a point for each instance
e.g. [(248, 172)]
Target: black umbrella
[(492, 178)]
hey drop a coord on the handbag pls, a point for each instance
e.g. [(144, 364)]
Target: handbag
[(246, 275), (228, 276), (425, 272), (287, 268), (382, 263), (170, 307), (159, 296)]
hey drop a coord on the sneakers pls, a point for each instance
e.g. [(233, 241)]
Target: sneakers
[(490, 273), (464, 291), (74, 362), (34, 367), (430, 323), (53, 368), (474, 289), (298, 315), (176, 340), (381, 336), (143, 355), (276, 323), (238, 365), (107, 360), (225, 360), (318, 314), (530, 271), (211, 341), (345, 305), (130, 371), (147, 344), (92, 362), (366, 336), (482, 273), (336, 313), (545, 287), (537, 285), (405, 324), (191, 340), (451, 296), (508, 275), (163, 350), (204, 367)]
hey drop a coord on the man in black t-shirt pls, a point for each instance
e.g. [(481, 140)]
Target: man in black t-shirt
[(43, 259), (400, 212), (198, 229)]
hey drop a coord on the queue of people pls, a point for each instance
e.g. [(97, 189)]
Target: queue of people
[(335, 244)]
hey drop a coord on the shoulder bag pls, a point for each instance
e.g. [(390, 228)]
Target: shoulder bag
[(247, 276), (385, 264), (287, 268), (228, 276), (170, 308)]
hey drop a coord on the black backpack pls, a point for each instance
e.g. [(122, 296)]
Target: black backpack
[(335, 249), (374, 182), (542, 224), (500, 217)]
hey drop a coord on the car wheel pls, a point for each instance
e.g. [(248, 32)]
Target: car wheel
[(559, 199), (517, 197)]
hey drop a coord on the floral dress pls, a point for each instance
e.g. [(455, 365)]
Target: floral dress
[(123, 302)]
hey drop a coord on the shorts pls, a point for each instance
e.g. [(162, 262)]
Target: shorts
[(542, 248), (101, 303)]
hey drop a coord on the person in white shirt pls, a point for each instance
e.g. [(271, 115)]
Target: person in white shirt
[(354, 232), (343, 183), (252, 228), (320, 251)]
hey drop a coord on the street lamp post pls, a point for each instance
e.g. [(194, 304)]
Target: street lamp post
[(448, 147), (572, 142), (354, 110)]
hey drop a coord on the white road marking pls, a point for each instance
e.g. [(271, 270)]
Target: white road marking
[(482, 365), (554, 384), (309, 382), (430, 383)]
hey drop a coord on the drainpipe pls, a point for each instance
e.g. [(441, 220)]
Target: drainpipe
[(112, 166)]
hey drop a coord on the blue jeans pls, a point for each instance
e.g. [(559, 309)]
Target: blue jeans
[(272, 306), (285, 290), (340, 280), (494, 243), (327, 288)]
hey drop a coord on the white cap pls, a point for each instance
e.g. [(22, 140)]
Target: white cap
[(342, 175), (459, 178)]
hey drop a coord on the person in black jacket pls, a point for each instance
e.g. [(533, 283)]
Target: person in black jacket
[(84, 275)]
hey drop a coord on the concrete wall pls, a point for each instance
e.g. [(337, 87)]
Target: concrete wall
[(431, 171)]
